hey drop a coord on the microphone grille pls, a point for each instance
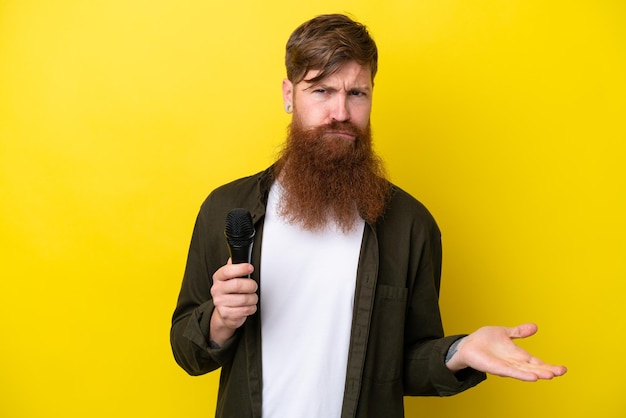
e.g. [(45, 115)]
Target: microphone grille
[(239, 225)]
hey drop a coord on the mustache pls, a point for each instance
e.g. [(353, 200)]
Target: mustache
[(339, 127)]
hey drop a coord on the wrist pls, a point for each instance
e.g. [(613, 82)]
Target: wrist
[(453, 359), (219, 331)]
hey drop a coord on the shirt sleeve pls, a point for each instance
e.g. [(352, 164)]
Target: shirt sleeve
[(426, 373), (190, 330), (430, 357)]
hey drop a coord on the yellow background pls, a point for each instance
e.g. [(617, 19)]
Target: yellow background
[(506, 118)]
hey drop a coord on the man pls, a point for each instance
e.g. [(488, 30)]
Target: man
[(340, 317)]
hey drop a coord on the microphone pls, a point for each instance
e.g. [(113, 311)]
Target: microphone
[(239, 232)]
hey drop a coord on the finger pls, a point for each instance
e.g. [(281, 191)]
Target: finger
[(514, 371), (238, 300), (239, 270), (236, 315), (231, 271), (545, 371), (559, 370), (240, 286), (555, 370), (529, 369), (528, 372), (523, 330), (224, 289)]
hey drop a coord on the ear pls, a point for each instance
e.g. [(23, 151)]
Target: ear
[(287, 92)]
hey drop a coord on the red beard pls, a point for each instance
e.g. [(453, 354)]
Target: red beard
[(328, 178)]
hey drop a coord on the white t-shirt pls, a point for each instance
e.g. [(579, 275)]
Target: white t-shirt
[(307, 296)]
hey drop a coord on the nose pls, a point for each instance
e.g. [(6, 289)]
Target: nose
[(340, 111)]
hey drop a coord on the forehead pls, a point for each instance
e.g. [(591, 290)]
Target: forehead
[(349, 74)]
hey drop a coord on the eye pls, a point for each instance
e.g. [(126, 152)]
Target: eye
[(357, 93)]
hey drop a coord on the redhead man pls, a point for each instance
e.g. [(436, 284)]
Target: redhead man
[(339, 316)]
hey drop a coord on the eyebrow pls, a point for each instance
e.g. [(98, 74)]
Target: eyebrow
[(321, 84)]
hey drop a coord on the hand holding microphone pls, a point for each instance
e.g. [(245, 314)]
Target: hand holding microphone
[(233, 291)]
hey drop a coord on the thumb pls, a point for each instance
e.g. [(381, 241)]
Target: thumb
[(523, 330)]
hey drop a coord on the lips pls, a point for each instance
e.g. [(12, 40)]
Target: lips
[(345, 131), (342, 134)]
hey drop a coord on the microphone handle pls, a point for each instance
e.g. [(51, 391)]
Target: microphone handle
[(241, 254)]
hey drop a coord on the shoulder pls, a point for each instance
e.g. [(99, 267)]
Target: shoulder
[(246, 192), (404, 205), (241, 185), (406, 216)]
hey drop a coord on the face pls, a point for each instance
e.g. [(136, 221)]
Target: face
[(345, 96)]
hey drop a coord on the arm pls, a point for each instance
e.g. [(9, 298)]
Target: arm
[(203, 295), (409, 244), (426, 373), (491, 350)]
